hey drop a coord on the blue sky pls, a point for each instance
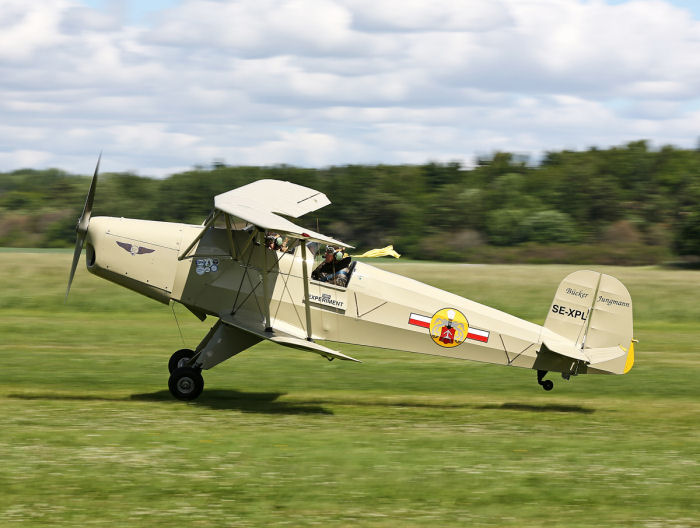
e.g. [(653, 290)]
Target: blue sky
[(137, 12), (693, 6), (164, 85)]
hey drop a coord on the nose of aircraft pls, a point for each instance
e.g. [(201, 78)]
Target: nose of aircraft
[(81, 227)]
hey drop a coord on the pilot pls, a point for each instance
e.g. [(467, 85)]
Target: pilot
[(334, 268), (276, 242)]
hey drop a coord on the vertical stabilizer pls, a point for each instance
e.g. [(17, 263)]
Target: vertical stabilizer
[(593, 312), (571, 307)]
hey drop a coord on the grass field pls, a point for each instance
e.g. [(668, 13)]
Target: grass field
[(90, 436)]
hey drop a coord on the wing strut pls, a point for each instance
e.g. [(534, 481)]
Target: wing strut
[(207, 225), (266, 285), (230, 236), (307, 307)]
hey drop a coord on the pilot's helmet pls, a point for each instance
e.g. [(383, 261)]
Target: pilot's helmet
[(336, 252), (274, 240)]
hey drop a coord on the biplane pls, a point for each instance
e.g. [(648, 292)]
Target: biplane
[(254, 290)]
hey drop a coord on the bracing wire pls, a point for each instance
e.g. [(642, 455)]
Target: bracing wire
[(172, 306)]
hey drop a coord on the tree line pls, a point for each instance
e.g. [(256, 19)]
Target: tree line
[(623, 205)]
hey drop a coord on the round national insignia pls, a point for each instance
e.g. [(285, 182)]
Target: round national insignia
[(448, 327)]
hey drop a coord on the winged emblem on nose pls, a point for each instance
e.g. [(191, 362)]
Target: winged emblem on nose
[(133, 249)]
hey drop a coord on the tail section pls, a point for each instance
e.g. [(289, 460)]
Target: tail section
[(591, 321)]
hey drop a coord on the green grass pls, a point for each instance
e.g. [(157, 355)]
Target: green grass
[(91, 437)]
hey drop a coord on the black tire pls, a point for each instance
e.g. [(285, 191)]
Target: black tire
[(177, 359), (548, 385), (186, 383)]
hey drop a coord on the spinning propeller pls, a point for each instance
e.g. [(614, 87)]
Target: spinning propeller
[(81, 227)]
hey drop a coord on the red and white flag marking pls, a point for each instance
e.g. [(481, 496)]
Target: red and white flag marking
[(419, 320), (473, 333), (478, 335)]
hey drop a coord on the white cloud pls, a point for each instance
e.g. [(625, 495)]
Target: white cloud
[(417, 15), (317, 82), (28, 27), (24, 158), (258, 28), (149, 137)]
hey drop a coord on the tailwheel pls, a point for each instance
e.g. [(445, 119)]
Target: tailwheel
[(180, 359), (186, 383)]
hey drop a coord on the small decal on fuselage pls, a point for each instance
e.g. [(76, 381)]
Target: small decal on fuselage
[(448, 327), (134, 249), (206, 265), (326, 300)]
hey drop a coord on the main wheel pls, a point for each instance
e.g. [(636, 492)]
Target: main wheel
[(186, 383), (548, 385), (180, 359)]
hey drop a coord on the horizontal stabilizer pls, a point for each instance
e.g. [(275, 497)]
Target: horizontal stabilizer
[(590, 356), (564, 347), (600, 355)]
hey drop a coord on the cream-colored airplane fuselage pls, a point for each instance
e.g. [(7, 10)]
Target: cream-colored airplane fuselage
[(260, 293), (229, 271)]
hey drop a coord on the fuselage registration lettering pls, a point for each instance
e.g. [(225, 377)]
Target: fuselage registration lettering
[(569, 312)]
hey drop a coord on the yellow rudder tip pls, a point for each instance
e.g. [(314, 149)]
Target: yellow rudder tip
[(630, 357)]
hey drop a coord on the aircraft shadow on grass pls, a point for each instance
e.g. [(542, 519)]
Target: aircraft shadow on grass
[(252, 402), (547, 407), (268, 403)]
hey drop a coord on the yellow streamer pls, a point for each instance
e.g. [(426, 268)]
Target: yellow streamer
[(383, 252)]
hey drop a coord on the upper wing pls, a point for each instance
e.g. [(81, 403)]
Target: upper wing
[(260, 202), (276, 196)]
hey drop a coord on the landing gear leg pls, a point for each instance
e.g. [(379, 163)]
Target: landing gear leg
[(547, 385)]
